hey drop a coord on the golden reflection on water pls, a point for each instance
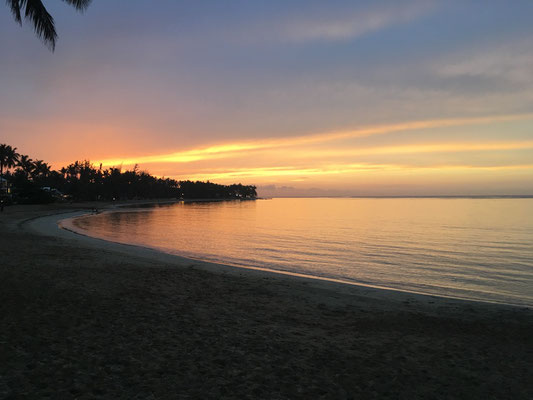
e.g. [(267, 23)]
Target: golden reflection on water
[(473, 248)]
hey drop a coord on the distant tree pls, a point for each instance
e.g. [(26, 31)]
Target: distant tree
[(43, 23), (8, 158), (40, 168), (26, 165), (82, 181), (41, 172)]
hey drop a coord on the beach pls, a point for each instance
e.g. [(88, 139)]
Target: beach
[(83, 318)]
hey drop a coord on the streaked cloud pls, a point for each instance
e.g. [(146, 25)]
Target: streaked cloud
[(454, 147), (347, 169), (353, 24), (512, 61), (231, 149)]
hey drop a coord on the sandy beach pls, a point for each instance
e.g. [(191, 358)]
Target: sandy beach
[(83, 318)]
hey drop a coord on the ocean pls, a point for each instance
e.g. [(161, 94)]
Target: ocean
[(470, 248)]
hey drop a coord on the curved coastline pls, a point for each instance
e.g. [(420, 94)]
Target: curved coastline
[(62, 225)]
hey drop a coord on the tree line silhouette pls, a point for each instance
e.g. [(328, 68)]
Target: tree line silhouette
[(24, 180)]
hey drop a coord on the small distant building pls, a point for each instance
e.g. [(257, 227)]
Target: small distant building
[(5, 187)]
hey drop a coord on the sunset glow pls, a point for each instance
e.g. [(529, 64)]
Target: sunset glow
[(321, 99), (227, 150)]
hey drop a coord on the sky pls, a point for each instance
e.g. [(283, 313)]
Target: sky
[(301, 98)]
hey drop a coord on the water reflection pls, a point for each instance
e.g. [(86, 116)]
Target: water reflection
[(474, 248)]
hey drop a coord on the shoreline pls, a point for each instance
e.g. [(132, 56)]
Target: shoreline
[(68, 225), (84, 318)]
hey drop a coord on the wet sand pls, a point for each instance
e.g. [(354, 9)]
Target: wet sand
[(82, 318)]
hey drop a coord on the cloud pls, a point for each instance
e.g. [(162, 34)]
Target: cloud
[(360, 169), (331, 21), (510, 62), (353, 23), (232, 149)]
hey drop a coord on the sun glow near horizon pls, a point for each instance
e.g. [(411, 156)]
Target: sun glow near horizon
[(304, 160), (225, 150)]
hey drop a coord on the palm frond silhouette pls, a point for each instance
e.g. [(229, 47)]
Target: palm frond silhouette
[(43, 22)]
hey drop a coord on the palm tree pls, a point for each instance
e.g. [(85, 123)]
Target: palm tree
[(25, 163), (43, 23), (8, 158), (40, 169)]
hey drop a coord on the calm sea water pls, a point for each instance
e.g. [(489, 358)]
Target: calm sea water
[(469, 248)]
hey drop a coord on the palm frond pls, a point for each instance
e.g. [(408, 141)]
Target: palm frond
[(43, 23), (35, 11), (15, 9), (79, 4)]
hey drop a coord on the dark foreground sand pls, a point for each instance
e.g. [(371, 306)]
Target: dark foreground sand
[(79, 320)]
